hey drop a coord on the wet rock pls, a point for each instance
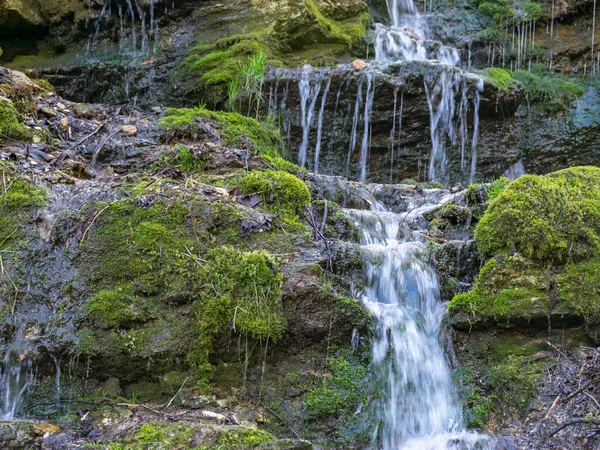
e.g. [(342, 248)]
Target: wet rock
[(359, 64)]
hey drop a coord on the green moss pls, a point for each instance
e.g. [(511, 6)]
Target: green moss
[(236, 130), (186, 161), (11, 125), (554, 91), (501, 79), (579, 289), (339, 394), (242, 439), (18, 197), (156, 436), (240, 291), (509, 288), (283, 191), (518, 377), (550, 219), (349, 32)]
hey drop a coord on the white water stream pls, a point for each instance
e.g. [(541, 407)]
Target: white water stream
[(419, 409)]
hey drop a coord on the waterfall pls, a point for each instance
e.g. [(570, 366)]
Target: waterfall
[(404, 40), (320, 126), (418, 408), (308, 99), (17, 373), (366, 138)]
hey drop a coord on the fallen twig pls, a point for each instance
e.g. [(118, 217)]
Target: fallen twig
[(285, 422), (108, 138), (178, 391), (569, 423), (93, 221)]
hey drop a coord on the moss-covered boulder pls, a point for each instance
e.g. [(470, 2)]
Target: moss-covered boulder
[(549, 219), (11, 124), (540, 237)]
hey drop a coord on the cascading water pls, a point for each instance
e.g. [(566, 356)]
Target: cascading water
[(16, 373), (418, 408)]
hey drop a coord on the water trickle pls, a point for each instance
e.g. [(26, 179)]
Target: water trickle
[(320, 126), (366, 138), (17, 372), (406, 39), (309, 92), (355, 120), (418, 405)]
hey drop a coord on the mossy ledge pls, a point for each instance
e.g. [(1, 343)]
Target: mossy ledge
[(541, 239)]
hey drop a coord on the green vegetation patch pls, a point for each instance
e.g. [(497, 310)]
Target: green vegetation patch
[(236, 130), (499, 78), (553, 91), (550, 219), (18, 196), (283, 191), (349, 32), (217, 64), (11, 125), (340, 393)]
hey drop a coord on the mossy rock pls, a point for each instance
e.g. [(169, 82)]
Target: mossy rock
[(237, 130), (550, 219), (11, 125), (541, 235)]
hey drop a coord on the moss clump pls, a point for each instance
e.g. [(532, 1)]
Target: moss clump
[(118, 308), (217, 64), (240, 291), (579, 289), (339, 394), (185, 160), (282, 191), (550, 219), (499, 78), (242, 439), (348, 32), (17, 197), (154, 436), (555, 92), (11, 125), (236, 130), (508, 288)]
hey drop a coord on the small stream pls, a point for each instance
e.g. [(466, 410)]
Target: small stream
[(419, 408)]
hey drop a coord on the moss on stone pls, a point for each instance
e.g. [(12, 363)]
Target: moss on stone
[(339, 394), (550, 219), (11, 125), (348, 32), (244, 438), (509, 288), (501, 79), (217, 64), (579, 289), (18, 197), (553, 91), (283, 191), (236, 130)]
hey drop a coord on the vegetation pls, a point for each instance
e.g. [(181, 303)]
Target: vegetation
[(218, 64), (501, 377), (551, 219), (237, 130), (541, 239), (553, 91), (11, 125), (349, 33), (283, 192), (499, 78), (339, 394)]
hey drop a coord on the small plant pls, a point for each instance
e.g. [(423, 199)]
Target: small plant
[(186, 161)]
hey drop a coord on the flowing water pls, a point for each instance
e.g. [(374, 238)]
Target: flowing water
[(419, 409)]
